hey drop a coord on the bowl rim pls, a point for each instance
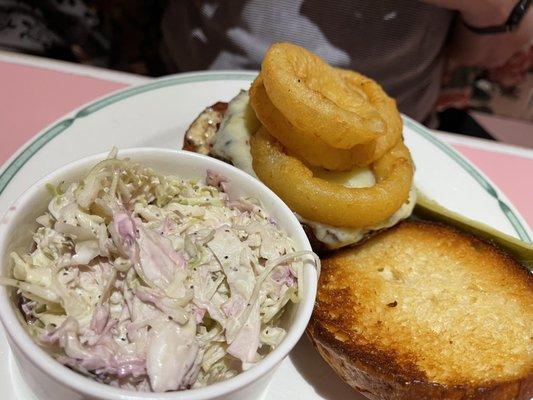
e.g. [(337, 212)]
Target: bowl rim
[(80, 383)]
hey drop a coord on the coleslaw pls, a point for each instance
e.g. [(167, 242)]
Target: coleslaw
[(155, 283)]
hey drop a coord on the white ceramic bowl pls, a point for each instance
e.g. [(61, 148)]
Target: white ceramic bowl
[(51, 380)]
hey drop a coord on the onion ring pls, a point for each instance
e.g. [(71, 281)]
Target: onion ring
[(332, 203), (306, 146), (385, 105), (314, 98)]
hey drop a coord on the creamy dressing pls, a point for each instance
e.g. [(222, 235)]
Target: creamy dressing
[(233, 143), (203, 128), (335, 237)]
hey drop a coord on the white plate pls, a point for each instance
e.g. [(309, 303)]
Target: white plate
[(157, 114)]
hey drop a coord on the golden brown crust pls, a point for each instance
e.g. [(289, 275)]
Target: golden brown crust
[(366, 370), (356, 328)]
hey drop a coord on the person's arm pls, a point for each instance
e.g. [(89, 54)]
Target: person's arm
[(468, 48), (479, 13)]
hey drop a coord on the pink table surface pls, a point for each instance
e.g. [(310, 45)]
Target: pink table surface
[(32, 97)]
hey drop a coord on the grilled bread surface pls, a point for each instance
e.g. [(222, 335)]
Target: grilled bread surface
[(422, 311)]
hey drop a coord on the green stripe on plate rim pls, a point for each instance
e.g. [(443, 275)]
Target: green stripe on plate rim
[(60, 127), (474, 173)]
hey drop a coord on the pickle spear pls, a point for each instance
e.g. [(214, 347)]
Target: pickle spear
[(431, 210)]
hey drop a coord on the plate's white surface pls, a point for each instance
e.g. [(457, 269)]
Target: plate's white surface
[(157, 114)]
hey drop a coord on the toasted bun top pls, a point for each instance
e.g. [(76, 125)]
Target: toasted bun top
[(422, 301)]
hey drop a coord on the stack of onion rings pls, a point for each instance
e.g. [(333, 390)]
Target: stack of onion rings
[(384, 104), (313, 97), (332, 203), (314, 114), (303, 144)]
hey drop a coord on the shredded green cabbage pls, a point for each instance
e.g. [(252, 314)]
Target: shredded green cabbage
[(155, 282)]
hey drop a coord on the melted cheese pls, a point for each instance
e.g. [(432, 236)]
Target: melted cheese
[(357, 177), (334, 237), (232, 142)]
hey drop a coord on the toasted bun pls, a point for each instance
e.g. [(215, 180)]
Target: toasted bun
[(422, 311)]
